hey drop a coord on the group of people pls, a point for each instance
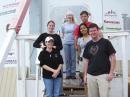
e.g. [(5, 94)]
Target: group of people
[(96, 54)]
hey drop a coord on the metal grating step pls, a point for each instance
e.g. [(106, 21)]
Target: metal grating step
[(74, 96), (72, 90)]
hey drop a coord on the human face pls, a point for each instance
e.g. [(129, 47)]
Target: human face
[(94, 32), (49, 44), (83, 29), (51, 27), (69, 18), (84, 17)]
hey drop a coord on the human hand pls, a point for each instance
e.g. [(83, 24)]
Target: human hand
[(110, 77), (55, 73), (54, 47), (42, 45), (76, 47), (85, 79)]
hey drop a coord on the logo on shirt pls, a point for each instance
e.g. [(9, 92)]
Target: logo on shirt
[(56, 55), (94, 49)]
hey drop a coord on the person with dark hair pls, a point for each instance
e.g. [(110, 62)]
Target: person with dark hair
[(51, 62), (39, 43), (84, 16), (84, 12), (99, 63), (83, 39)]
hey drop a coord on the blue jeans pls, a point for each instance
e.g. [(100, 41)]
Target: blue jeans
[(61, 87), (70, 59), (52, 87)]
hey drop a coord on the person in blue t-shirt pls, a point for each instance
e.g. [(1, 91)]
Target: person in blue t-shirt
[(68, 45)]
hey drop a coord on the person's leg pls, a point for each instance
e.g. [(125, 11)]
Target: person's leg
[(57, 85), (104, 85), (61, 86), (92, 86), (73, 60), (48, 87), (67, 59)]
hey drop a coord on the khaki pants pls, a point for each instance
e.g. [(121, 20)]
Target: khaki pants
[(98, 86)]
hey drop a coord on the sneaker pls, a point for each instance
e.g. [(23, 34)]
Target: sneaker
[(73, 77), (63, 94), (68, 77)]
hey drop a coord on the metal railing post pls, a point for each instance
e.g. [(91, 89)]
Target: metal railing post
[(125, 67)]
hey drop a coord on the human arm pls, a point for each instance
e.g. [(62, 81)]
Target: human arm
[(39, 41), (78, 53), (75, 42), (54, 71), (79, 49), (86, 59), (58, 43), (42, 45), (111, 52), (85, 68), (112, 58), (62, 31), (50, 64), (57, 71), (76, 34), (48, 68)]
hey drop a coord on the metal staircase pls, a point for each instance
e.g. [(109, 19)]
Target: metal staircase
[(73, 88)]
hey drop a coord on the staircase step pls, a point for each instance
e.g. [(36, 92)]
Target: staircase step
[(74, 96)]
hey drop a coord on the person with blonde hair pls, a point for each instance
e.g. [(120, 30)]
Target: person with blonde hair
[(68, 45)]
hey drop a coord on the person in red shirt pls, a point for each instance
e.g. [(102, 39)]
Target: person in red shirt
[(84, 15)]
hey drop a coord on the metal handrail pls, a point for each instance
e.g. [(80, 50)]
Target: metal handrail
[(107, 34)]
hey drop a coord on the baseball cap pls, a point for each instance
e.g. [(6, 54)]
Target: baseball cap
[(49, 38)]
